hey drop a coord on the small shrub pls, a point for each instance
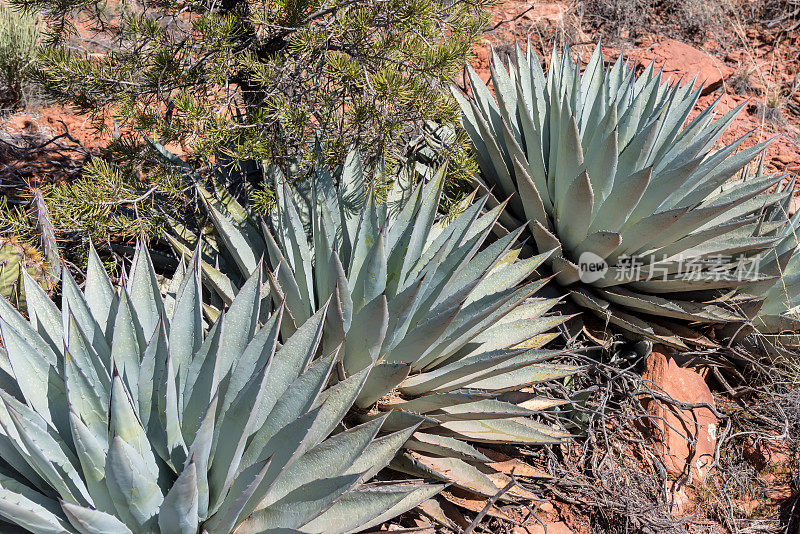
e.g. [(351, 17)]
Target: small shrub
[(19, 37), (623, 21)]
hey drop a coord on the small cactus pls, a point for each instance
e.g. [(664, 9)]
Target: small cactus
[(15, 256)]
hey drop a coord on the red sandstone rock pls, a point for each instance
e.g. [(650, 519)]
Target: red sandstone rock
[(765, 453), (675, 428), (794, 205), (534, 527), (681, 60)]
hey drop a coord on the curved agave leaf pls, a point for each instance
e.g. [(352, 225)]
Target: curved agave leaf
[(125, 413), (634, 199), (409, 297), (780, 314)]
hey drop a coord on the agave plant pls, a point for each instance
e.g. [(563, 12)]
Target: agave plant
[(606, 168), (449, 331), (780, 313), (122, 413)]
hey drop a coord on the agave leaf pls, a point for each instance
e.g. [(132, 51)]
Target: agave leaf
[(383, 378), (662, 186), (242, 490), (18, 457), (302, 504), (570, 158), (242, 240), (401, 309), (45, 316), (515, 334), (178, 512), (381, 503), (124, 424), (199, 453), (369, 228), (334, 404), (332, 457), (574, 227), (601, 167), (526, 375), (304, 394), (30, 510), (693, 281), (380, 451), (295, 242), (152, 374), (398, 237), (451, 470), (200, 380), (474, 318), (226, 454), (369, 280), (422, 223), (132, 487), (219, 282), (691, 311), (23, 328), (418, 343), (287, 286), (49, 456), (277, 457), (621, 202), (239, 326), (534, 206), (169, 406), (126, 346), (482, 410), (7, 381), (722, 172), (99, 292), (445, 446), (89, 521), (254, 357), (365, 337), (505, 277), (504, 87), (171, 296), (84, 399), (73, 300), (324, 240), (428, 381), (428, 403), (351, 197), (289, 362), (38, 380), (87, 359), (91, 451), (186, 330), (144, 291), (498, 431)]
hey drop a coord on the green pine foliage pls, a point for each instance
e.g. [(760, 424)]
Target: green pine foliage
[(106, 200), (257, 80), (107, 204)]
